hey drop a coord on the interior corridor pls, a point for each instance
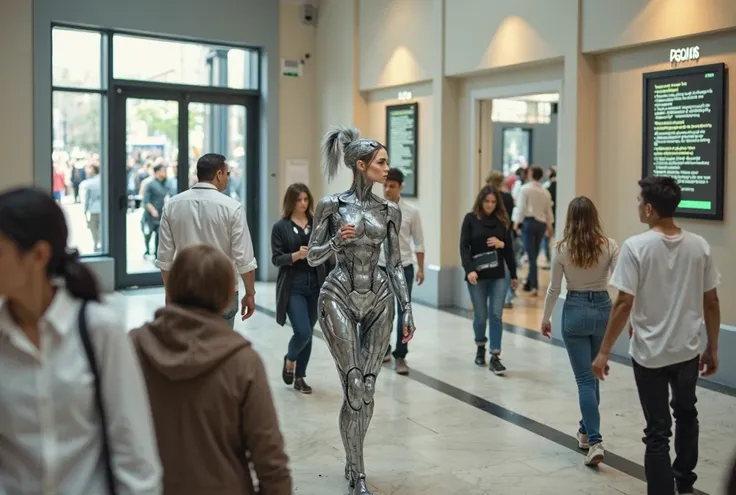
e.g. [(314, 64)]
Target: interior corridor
[(452, 428)]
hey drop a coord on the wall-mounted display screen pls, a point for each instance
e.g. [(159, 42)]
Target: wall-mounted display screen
[(684, 116), (401, 143)]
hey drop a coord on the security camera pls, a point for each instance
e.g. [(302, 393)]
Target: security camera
[(309, 14)]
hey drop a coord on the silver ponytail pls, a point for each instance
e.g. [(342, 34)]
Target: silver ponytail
[(333, 148)]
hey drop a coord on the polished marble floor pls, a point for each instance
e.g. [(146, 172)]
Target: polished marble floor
[(451, 428)]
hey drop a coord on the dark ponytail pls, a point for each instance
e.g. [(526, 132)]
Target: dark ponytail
[(78, 279), (29, 216)]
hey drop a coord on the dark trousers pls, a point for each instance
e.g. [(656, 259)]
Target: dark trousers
[(532, 233), (151, 229), (231, 312), (302, 313), (654, 393), (402, 349)]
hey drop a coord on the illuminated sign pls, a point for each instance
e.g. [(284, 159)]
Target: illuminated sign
[(688, 54)]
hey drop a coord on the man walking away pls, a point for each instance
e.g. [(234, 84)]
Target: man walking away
[(410, 231), (667, 284), (533, 214), (203, 215)]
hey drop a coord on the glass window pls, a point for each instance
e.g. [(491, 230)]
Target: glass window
[(521, 111), (177, 62), (76, 58), (78, 172)]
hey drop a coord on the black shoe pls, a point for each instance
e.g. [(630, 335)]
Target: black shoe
[(480, 355), (286, 375), (301, 386), (495, 365)]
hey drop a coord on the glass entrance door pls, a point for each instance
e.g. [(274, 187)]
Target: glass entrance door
[(222, 129), (145, 176), (158, 136)]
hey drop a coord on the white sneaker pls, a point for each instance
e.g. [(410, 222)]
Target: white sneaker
[(583, 441), (595, 455)]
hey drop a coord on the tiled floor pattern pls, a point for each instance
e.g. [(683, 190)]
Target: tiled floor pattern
[(427, 441)]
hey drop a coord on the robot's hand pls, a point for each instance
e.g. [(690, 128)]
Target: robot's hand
[(408, 326)]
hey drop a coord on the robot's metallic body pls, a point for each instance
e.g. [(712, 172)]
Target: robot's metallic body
[(356, 308)]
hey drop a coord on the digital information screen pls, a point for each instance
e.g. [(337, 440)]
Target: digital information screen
[(401, 143), (684, 115)]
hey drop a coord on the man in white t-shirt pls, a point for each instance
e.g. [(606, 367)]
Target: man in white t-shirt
[(667, 284)]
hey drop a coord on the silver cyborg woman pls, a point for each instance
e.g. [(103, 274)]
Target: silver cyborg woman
[(356, 309)]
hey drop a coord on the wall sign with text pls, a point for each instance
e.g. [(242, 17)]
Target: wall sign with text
[(683, 135), (687, 54), (402, 136)]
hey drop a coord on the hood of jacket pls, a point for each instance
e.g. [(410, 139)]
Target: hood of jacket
[(183, 344)]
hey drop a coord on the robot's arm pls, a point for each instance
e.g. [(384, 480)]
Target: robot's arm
[(321, 245)]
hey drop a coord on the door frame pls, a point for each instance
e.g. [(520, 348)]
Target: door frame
[(117, 176)]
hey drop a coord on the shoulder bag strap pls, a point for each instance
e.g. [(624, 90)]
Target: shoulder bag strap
[(99, 405)]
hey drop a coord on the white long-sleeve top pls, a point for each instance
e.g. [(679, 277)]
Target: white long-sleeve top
[(203, 215), (50, 440)]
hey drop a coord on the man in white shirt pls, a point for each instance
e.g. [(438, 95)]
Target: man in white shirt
[(533, 214), (667, 285), (203, 215), (410, 231)]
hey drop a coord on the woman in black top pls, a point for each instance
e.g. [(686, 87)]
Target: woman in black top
[(485, 242), (298, 284)]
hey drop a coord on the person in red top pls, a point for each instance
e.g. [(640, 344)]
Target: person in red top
[(59, 184)]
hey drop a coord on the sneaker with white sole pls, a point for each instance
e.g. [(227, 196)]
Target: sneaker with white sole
[(583, 441), (595, 455)]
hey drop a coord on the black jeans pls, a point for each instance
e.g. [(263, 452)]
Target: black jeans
[(402, 349), (654, 391)]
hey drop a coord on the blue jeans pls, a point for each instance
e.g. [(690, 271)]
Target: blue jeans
[(584, 319), (487, 297), (509, 298), (302, 313), (532, 233), (545, 248)]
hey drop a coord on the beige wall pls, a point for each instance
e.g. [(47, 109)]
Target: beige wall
[(488, 34), (338, 99), (619, 130), (428, 166), (487, 46), (608, 25), (396, 42), (298, 132), (16, 93)]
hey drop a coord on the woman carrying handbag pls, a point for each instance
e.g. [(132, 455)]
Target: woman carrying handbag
[(485, 242)]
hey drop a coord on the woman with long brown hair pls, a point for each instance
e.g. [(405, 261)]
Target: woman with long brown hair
[(485, 242), (297, 284), (586, 258)]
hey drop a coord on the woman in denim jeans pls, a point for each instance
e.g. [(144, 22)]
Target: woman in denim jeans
[(485, 243), (297, 284), (586, 258)]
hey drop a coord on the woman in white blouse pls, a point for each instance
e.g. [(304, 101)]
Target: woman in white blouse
[(67, 427), (586, 258)]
